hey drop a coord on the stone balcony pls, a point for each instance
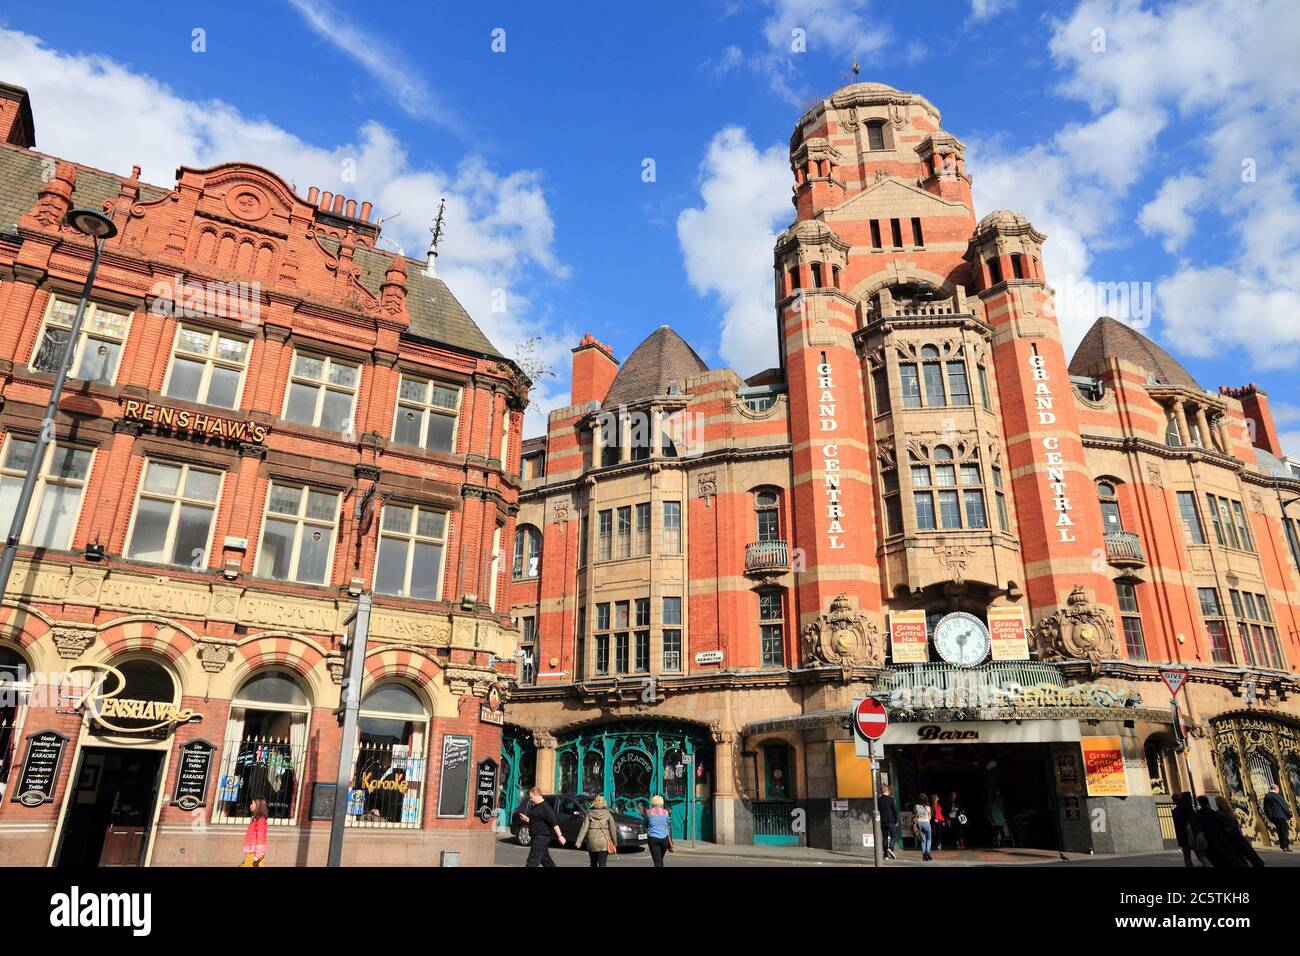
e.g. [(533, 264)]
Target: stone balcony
[(1124, 549), (765, 557)]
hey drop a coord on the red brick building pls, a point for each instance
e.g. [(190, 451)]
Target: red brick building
[(266, 415), (924, 501)]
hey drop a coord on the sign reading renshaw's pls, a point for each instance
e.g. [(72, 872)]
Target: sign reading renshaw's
[(200, 423)]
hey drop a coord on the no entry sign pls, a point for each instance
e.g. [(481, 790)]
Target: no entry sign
[(870, 719)]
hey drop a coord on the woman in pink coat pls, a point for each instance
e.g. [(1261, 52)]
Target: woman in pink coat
[(255, 835)]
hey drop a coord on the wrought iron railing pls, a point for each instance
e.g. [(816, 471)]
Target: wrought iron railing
[(774, 818), (767, 556), (1124, 547), (387, 781), (269, 768)]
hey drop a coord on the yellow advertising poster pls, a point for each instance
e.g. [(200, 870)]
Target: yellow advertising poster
[(1007, 634), (852, 773), (907, 637), (1103, 766)]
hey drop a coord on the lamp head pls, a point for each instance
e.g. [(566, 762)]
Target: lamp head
[(90, 223)]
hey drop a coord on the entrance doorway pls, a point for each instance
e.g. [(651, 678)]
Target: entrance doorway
[(110, 808), (1005, 791)]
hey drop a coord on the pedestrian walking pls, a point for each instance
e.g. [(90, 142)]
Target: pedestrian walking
[(888, 820), (1278, 814), (936, 824), (659, 833), (255, 835), (997, 816), (921, 824), (1219, 846), (542, 824), (956, 821), (597, 835), (1187, 831), (1232, 827)]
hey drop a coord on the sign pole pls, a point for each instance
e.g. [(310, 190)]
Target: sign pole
[(1183, 746), (349, 703), (876, 829)]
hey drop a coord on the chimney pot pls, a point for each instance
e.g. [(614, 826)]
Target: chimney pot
[(365, 211), (325, 199), (313, 194), (350, 210)]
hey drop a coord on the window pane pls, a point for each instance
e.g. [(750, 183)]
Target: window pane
[(911, 385), (320, 505), (99, 361), (949, 509), (390, 566), (957, 386), (920, 476), (187, 375), (424, 572), (975, 515), (970, 474), (413, 389), (933, 384), (397, 518), (202, 484), (284, 499), (406, 430), (57, 517), (19, 455), (336, 415), (431, 524), (277, 544), (223, 387), (162, 479), (150, 534), (194, 340), (50, 354), (945, 476), (345, 375), (438, 435), (924, 510), (314, 554), (192, 536), (304, 366), (445, 397), (109, 323), (301, 406), (69, 463), (9, 489), (231, 350)]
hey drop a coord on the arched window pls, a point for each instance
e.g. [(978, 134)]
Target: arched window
[(876, 135), (389, 768), (143, 679), (265, 749), (528, 552), (1109, 501), (766, 515), (1156, 770), (15, 685)]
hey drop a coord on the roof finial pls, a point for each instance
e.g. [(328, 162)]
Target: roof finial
[(431, 263)]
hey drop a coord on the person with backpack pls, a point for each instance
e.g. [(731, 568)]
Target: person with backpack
[(598, 836)]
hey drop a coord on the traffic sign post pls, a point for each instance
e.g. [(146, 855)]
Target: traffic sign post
[(870, 721), (1174, 678)]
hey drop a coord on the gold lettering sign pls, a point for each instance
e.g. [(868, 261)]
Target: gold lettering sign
[(199, 423), (105, 705), (396, 782)]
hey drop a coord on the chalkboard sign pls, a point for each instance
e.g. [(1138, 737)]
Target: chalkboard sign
[(322, 800), (192, 774), (453, 792), (485, 790), (40, 768)]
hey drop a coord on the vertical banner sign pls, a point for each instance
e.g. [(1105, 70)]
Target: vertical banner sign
[(485, 790), (40, 773), (907, 637), (192, 772), (830, 456), (1103, 766), (1007, 634)]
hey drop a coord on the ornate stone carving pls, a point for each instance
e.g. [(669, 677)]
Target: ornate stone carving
[(214, 657), (544, 739), (706, 485), (844, 637), (463, 679), (1079, 631), (1154, 477), (955, 558), (560, 512), (72, 642), (335, 666)]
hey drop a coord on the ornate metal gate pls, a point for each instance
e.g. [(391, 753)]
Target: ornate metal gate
[(630, 762), (1253, 751)]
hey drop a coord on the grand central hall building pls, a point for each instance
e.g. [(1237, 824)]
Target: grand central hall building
[(928, 501)]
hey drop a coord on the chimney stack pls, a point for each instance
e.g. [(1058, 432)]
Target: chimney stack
[(1254, 404), (16, 127), (594, 368)]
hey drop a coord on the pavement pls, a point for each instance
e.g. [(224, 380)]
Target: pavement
[(509, 853)]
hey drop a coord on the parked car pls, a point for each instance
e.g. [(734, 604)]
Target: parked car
[(571, 808)]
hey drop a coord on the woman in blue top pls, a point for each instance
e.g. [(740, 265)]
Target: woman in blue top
[(659, 831)]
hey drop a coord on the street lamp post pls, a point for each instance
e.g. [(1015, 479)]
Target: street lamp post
[(99, 228)]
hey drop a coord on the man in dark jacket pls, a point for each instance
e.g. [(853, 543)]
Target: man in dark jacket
[(1185, 828), (888, 820), (542, 822), (1278, 813)]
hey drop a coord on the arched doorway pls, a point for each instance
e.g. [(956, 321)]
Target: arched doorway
[(629, 762), (1253, 752)]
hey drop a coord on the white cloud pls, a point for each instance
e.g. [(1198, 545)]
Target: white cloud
[(1169, 214), (981, 10), (838, 27), (500, 233), (381, 60), (727, 242)]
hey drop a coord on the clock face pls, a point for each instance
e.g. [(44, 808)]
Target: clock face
[(961, 639)]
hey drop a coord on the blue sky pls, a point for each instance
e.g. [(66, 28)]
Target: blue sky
[(1155, 143)]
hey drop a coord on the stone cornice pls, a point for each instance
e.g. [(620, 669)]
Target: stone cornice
[(1189, 453)]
